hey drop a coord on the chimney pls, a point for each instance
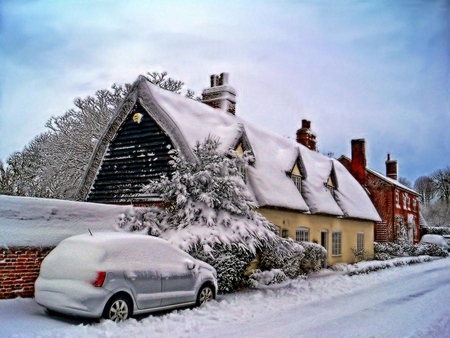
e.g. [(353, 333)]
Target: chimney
[(306, 136), (359, 162), (220, 95), (391, 168)]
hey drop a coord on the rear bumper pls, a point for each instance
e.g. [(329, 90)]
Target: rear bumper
[(72, 298)]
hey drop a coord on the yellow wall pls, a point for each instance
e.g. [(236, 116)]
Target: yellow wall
[(287, 220)]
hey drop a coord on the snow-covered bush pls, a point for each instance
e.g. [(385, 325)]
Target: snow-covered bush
[(258, 278), (293, 258), (230, 263), (359, 255), (429, 249), (384, 251), (438, 230)]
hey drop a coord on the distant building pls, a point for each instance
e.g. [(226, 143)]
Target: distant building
[(397, 205), (308, 196)]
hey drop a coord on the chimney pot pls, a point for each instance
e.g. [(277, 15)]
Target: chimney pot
[(214, 80), (306, 124), (223, 79)]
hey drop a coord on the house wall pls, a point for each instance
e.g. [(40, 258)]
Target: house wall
[(19, 269), (290, 221)]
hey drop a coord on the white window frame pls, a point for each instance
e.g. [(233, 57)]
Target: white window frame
[(336, 243), (397, 199), (302, 234), (297, 179), (405, 205), (360, 241)]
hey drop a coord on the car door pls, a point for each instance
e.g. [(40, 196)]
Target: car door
[(178, 283), (146, 286)]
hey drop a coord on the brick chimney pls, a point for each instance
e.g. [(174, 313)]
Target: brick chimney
[(306, 136), (359, 162), (391, 168), (220, 95)]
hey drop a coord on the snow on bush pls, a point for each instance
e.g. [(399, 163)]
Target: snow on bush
[(371, 266), (384, 251), (230, 263), (293, 258), (258, 278), (438, 230)]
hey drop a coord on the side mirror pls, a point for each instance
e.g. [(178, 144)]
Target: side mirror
[(190, 265)]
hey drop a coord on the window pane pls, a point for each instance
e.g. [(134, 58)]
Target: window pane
[(302, 235), (360, 241), (336, 244)]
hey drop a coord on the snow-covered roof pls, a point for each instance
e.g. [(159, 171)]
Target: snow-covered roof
[(385, 178), (187, 122), (392, 181), (27, 221)]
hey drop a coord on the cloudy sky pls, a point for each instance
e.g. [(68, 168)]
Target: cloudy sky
[(377, 70)]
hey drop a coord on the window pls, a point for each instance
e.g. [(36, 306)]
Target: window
[(302, 235), (397, 199), (360, 241), (415, 204), (296, 177), (405, 203), (243, 171), (297, 181), (330, 185), (336, 243)]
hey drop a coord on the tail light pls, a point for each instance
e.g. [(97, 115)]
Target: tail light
[(101, 275)]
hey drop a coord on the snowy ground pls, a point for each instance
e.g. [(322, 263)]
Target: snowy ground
[(409, 301)]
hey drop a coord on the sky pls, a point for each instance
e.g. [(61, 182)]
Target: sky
[(377, 70)]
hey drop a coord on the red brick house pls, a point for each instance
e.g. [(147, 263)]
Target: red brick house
[(397, 205)]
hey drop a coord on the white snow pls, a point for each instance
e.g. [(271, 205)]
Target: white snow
[(27, 221), (410, 301)]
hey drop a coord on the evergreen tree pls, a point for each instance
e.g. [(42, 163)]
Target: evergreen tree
[(208, 203)]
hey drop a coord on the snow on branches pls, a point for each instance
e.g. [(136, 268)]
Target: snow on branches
[(209, 204)]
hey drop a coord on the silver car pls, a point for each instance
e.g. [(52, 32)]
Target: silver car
[(116, 275)]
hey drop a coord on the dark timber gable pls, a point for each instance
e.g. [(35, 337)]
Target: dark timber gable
[(138, 153)]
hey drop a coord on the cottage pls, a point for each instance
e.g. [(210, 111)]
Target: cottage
[(308, 196), (397, 205)]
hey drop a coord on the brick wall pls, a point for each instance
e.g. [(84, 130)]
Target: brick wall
[(19, 269)]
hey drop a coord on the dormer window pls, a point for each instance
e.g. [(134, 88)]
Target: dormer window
[(330, 185), (243, 171), (296, 177)]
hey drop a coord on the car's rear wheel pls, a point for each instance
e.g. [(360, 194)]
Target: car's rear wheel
[(118, 308), (205, 294)]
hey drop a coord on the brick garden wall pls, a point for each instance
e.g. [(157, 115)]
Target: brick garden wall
[(19, 269)]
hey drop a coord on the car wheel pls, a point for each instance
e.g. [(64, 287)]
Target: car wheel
[(117, 309), (206, 294)]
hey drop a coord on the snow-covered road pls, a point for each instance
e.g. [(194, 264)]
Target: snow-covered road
[(411, 301)]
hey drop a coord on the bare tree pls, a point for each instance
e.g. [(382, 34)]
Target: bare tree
[(425, 186), (405, 182), (53, 163), (441, 180)]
